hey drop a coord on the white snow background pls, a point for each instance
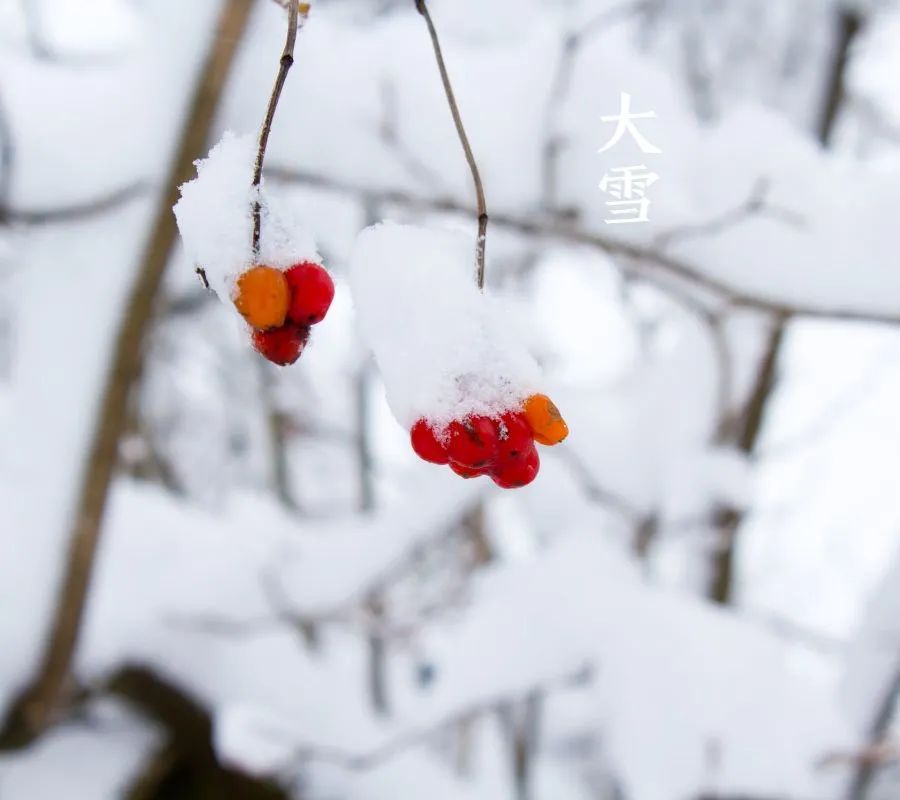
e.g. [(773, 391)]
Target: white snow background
[(357, 625)]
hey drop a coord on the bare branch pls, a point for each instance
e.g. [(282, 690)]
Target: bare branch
[(480, 242)]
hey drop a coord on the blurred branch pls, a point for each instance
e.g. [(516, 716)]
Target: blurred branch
[(525, 741), (649, 263), (365, 461), (296, 11), (698, 71), (728, 520), (33, 32), (36, 708), (756, 205), (373, 758), (480, 241), (594, 491), (849, 24), (77, 212), (367, 617), (7, 156), (867, 765), (389, 135), (277, 425)]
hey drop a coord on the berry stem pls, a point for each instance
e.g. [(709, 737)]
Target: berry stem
[(480, 242), (297, 14)]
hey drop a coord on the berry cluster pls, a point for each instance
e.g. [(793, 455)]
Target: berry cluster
[(281, 306), (501, 447)]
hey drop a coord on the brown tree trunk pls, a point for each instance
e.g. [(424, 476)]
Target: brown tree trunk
[(36, 708)]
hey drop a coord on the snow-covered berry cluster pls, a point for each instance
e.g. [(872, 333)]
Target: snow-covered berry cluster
[(457, 372), (502, 447), (279, 287), (281, 306)]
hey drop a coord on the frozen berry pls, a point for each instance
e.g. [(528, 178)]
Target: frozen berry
[(545, 420), (262, 297), (282, 345), (426, 443), (312, 291), (516, 438), (516, 472), (473, 442), (466, 472)]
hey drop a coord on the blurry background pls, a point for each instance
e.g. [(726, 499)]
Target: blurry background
[(224, 580)]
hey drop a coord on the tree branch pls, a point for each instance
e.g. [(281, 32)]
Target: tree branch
[(647, 262)]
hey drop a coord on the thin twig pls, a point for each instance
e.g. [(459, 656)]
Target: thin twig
[(295, 11), (480, 242)]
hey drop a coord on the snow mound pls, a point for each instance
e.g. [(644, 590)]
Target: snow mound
[(215, 218), (445, 349)]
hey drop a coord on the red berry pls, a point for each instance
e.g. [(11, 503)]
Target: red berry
[(517, 472), (282, 345), (312, 291), (466, 472), (516, 437), (426, 443), (473, 442)]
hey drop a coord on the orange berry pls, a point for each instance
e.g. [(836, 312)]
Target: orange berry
[(263, 297), (546, 422)]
